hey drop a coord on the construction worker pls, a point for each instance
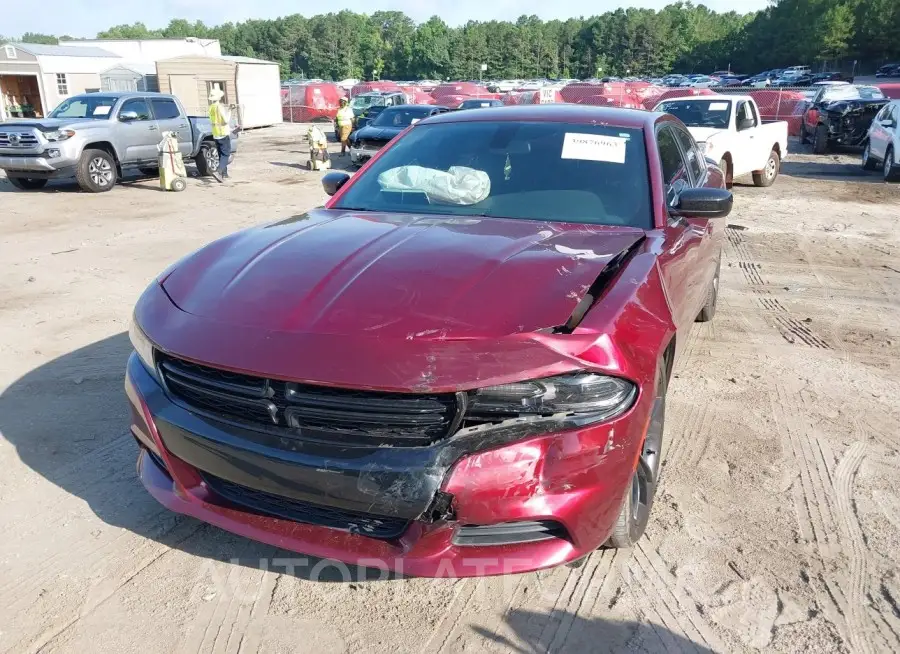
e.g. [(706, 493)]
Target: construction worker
[(345, 124), (220, 117)]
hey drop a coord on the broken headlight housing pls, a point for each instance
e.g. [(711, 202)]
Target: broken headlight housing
[(597, 397)]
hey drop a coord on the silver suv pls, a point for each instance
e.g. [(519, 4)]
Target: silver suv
[(94, 136)]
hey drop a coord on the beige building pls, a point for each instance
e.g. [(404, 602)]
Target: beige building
[(253, 85), (34, 78)]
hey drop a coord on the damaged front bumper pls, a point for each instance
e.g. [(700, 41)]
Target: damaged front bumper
[(495, 500)]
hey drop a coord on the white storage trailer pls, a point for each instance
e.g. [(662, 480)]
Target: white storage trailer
[(254, 85)]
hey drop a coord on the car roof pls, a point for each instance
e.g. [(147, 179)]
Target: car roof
[(125, 94), (555, 113)]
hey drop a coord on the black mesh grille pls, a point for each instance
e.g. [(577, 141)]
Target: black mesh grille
[(364, 417), (289, 509)]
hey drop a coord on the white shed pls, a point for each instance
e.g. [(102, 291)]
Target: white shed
[(259, 91), (130, 76), (254, 85), (47, 74)]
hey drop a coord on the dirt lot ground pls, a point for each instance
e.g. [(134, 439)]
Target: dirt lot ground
[(777, 526)]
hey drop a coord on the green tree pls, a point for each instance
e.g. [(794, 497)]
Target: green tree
[(34, 37)]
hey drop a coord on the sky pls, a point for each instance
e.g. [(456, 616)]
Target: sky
[(85, 18)]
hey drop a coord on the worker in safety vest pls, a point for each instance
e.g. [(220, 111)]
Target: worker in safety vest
[(345, 124), (220, 117)]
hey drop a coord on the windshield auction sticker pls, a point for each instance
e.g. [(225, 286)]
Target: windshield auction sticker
[(593, 147)]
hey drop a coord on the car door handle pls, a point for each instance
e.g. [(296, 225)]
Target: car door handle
[(153, 128), (183, 125)]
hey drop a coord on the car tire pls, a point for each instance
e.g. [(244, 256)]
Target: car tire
[(891, 167), (723, 165), (804, 137), (708, 311), (820, 143), (768, 175), (635, 513), (96, 171), (868, 163), (207, 159), (27, 183)]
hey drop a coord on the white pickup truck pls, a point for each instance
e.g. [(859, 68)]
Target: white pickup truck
[(729, 130)]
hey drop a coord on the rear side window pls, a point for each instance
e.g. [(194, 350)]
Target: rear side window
[(694, 158), (165, 109), (672, 162)]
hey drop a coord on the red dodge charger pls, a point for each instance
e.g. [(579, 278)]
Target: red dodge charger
[(459, 365)]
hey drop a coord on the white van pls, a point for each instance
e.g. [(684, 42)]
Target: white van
[(796, 71)]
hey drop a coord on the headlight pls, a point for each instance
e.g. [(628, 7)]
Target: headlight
[(142, 346), (59, 135), (598, 397)]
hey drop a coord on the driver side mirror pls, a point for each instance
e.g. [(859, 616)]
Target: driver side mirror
[(333, 181), (703, 203), (745, 123), (128, 116)]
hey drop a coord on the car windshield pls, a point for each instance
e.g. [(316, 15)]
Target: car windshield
[(85, 106), (595, 174), (700, 113), (363, 101), (850, 92), (398, 117)]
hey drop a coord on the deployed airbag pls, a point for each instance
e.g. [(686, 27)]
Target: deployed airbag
[(459, 185)]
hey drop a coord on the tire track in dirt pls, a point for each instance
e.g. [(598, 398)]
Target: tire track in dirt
[(602, 585), (588, 584), (679, 422), (812, 500), (94, 550), (790, 328), (440, 637), (221, 624), (859, 620), (827, 519), (677, 611), (97, 596)]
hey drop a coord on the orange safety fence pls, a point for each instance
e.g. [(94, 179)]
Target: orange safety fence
[(543, 96), (309, 103), (366, 87), (466, 90)]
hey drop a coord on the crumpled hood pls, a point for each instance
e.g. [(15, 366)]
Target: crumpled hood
[(399, 276), (854, 107), (48, 124)]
